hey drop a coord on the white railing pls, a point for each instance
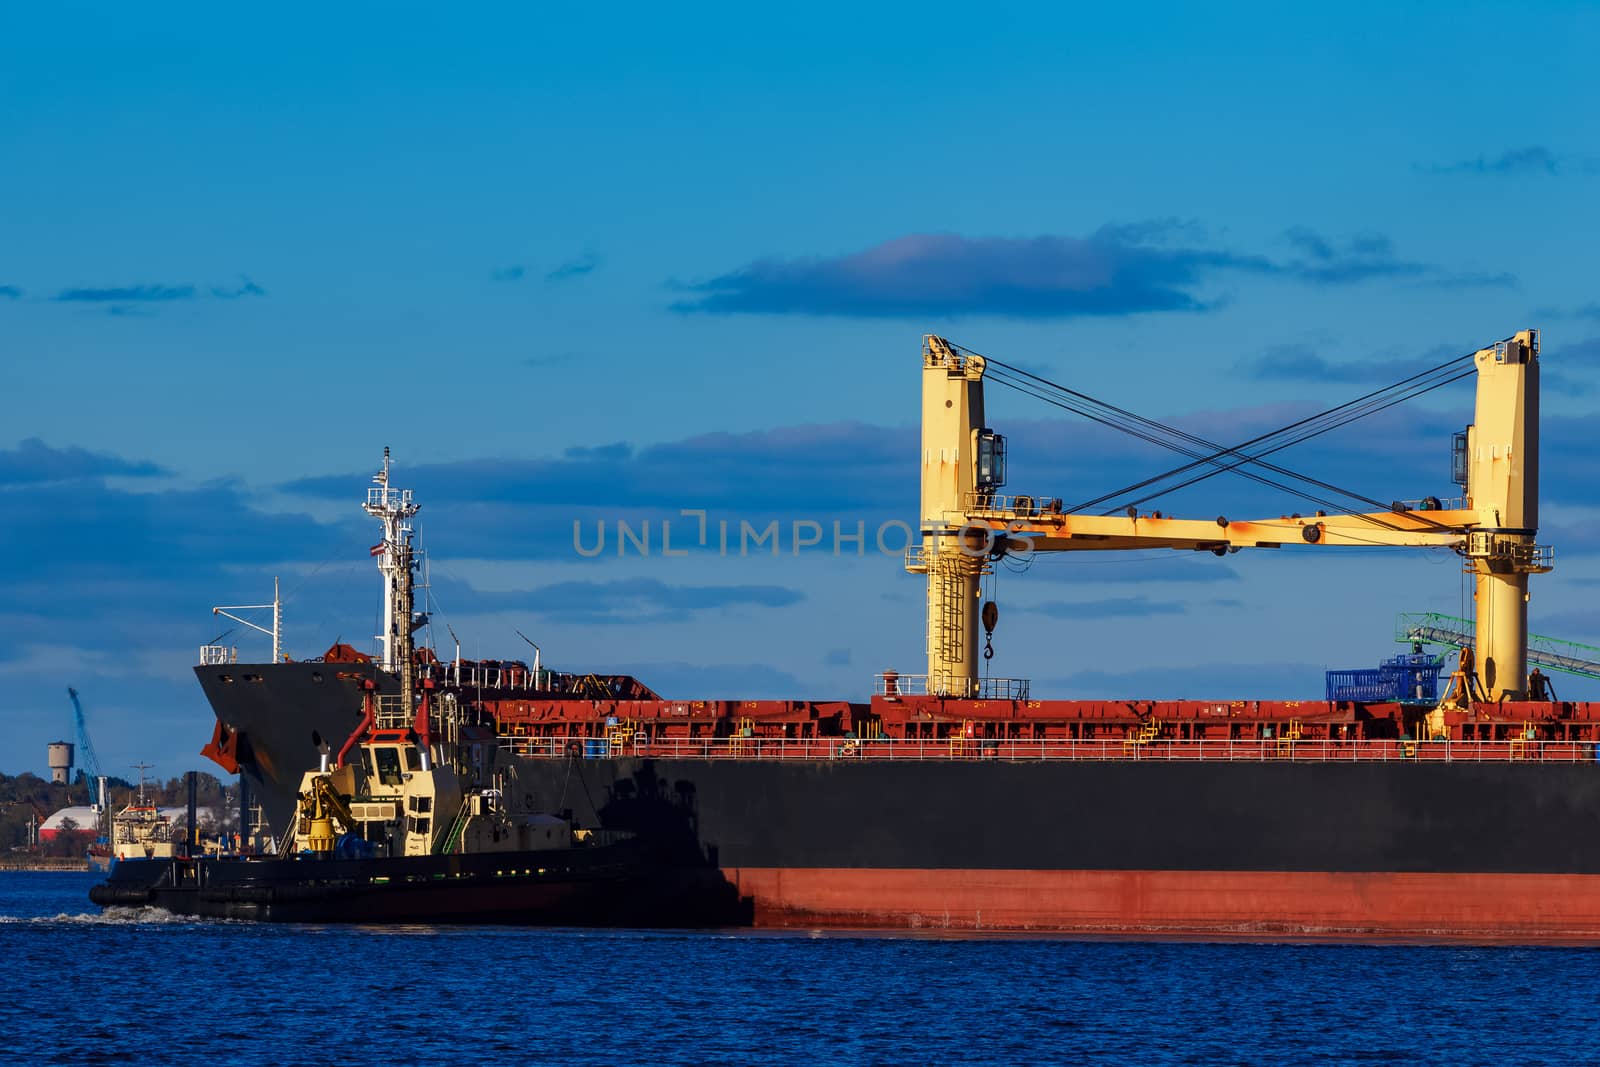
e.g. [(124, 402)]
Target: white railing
[(384, 497), (1280, 750), (391, 713), (218, 655), (1438, 503), (1022, 505), (470, 677), (894, 684)]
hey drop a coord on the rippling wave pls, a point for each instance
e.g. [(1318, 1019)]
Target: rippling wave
[(138, 985)]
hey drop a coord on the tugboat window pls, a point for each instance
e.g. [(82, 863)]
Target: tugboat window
[(388, 765), (411, 759)]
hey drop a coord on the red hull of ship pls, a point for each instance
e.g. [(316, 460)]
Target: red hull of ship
[(1249, 904)]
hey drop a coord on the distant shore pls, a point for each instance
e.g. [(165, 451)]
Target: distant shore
[(42, 863)]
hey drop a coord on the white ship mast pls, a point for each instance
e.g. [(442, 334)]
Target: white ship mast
[(393, 508)]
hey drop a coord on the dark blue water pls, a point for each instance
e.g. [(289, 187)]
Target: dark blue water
[(79, 986)]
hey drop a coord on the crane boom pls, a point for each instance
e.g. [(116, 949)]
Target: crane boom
[(966, 524), (91, 762)]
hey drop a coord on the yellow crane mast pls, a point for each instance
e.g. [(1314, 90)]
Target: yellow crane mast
[(966, 524)]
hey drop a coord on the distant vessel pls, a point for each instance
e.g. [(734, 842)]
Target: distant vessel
[(957, 800), (141, 830)]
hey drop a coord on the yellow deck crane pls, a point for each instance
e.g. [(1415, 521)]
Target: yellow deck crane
[(320, 806), (967, 524)]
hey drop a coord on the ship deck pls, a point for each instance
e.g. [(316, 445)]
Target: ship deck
[(1282, 749)]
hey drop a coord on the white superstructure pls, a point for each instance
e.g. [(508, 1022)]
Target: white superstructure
[(393, 508)]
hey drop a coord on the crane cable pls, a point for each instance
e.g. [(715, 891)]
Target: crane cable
[(1420, 516), (1235, 467), (1315, 424), (1311, 426), (1333, 418), (1293, 491), (1215, 458)]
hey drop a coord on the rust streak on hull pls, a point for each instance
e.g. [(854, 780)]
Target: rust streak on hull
[(1268, 905)]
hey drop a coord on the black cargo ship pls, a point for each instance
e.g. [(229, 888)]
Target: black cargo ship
[(948, 800)]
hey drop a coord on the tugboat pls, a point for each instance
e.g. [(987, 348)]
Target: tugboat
[(367, 850), (415, 819)]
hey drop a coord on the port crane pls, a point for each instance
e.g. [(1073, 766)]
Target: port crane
[(968, 525), (91, 762)]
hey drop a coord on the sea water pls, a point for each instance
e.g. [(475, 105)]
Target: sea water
[(140, 986)]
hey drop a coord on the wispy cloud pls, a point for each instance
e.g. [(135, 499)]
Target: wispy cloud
[(1583, 623), (677, 680), (136, 300), (1570, 369), (1136, 607), (246, 287), (1118, 270), (1356, 259), (175, 548), (574, 268), (126, 294), (1303, 363), (10, 292), (1112, 568), (562, 272), (1199, 681), (33, 462), (1156, 266), (1563, 366), (838, 468), (1587, 351), (1365, 257), (1534, 159), (1589, 311), (626, 600), (526, 507), (615, 451)]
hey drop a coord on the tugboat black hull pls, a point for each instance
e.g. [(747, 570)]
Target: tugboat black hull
[(607, 886)]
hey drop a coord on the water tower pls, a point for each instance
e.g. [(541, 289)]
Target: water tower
[(61, 762)]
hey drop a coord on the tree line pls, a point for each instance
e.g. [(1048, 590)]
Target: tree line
[(27, 796)]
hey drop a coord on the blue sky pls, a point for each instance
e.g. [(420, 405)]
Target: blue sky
[(584, 266)]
